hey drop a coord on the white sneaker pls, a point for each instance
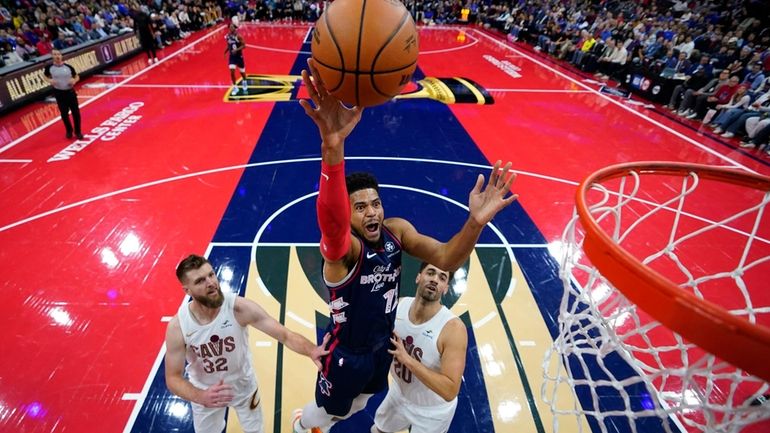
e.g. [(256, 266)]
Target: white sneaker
[(718, 130), (156, 60), (692, 115), (727, 135), (296, 426), (748, 145)]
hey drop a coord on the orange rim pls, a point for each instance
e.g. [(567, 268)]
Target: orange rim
[(711, 327)]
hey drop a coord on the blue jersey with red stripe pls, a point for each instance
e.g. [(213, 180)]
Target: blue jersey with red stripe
[(363, 305)]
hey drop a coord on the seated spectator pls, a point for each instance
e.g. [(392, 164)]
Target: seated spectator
[(25, 50), (732, 110), (683, 64), (97, 32), (28, 34), (721, 95), (77, 27), (588, 44), (686, 47), (8, 55), (522, 27), (699, 75), (613, 59), (760, 107), (172, 28), (763, 88), (44, 46), (755, 78), (567, 45), (757, 133), (121, 26)]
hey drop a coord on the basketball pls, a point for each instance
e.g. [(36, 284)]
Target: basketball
[(365, 50)]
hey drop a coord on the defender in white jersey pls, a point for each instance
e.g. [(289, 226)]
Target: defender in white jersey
[(210, 333), (428, 360)]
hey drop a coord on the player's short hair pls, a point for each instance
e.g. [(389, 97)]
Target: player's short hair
[(189, 263), (361, 180), (423, 265)]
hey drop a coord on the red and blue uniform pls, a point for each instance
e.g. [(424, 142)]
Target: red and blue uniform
[(363, 313)]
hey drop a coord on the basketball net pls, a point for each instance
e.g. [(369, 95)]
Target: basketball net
[(664, 324)]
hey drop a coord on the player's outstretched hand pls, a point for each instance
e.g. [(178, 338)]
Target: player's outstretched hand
[(335, 121), (219, 395), (320, 351), (485, 204)]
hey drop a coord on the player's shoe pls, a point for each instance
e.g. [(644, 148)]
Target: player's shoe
[(296, 426)]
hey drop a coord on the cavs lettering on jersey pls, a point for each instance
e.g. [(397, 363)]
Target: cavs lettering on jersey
[(363, 305), (421, 342), (218, 350)]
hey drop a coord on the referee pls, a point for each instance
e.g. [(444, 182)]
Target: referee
[(63, 77)]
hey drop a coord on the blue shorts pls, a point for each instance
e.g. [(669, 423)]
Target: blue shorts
[(236, 61), (349, 374)]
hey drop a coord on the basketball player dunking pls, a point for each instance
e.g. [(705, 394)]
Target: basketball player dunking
[(429, 359), (235, 46), (362, 262)]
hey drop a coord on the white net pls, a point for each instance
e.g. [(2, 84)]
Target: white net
[(615, 368)]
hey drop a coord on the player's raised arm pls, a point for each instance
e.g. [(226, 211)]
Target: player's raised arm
[(249, 312), (335, 122), (483, 205)]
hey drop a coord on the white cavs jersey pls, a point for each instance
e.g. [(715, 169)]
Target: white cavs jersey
[(421, 342), (218, 350)]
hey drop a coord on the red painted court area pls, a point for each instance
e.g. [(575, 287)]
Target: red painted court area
[(91, 231)]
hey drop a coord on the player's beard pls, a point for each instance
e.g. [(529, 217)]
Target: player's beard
[(430, 296), (208, 302)]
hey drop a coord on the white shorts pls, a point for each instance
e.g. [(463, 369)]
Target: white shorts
[(212, 420), (396, 414)]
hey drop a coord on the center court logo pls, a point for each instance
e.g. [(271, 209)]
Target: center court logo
[(283, 88)]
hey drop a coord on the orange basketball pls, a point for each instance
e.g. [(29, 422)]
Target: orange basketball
[(365, 50)]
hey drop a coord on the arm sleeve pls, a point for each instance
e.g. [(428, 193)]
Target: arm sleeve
[(72, 71), (47, 71), (333, 209)]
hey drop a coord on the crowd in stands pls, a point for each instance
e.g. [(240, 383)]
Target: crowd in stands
[(718, 50), (32, 28)]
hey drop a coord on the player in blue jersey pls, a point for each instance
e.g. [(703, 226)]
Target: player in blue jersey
[(235, 46), (362, 263)]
